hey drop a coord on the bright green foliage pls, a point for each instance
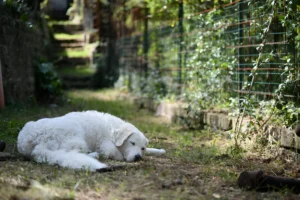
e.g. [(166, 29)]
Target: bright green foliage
[(209, 65)]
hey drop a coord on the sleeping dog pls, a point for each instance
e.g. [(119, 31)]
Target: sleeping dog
[(77, 139)]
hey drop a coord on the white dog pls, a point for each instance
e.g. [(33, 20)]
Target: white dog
[(76, 140)]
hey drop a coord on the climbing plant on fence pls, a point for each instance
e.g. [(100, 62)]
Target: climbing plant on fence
[(209, 64), (276, 35), (243, 53)]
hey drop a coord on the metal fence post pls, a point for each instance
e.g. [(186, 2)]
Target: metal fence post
[(240, 51), (180, 26), (145, 41)]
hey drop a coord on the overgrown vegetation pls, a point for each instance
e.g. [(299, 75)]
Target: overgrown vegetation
[(281, 109), (47, 84), (209, 67), (241, 57)]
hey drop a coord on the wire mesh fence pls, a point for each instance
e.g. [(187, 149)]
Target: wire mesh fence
[(212, 53)]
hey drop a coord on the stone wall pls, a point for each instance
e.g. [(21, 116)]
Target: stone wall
[(220, 120), (18, 45)]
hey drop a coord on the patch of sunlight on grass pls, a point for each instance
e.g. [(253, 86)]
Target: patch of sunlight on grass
[(75, 53), (65, 36), (61, 22), (77, 71), (102, 95), (103, 101)]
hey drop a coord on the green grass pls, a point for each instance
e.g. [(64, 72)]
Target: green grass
[(65, 36), (74, 53), (195, 166), (78, 71), (60, 22)]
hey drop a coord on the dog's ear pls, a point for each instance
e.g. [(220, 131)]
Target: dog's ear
[(121, 135)]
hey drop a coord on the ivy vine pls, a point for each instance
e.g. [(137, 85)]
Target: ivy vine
[(280, 109)]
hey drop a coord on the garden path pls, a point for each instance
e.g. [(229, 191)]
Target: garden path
[(74, 63)]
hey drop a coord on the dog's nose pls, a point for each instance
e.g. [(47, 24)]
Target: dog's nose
[(137, 157)]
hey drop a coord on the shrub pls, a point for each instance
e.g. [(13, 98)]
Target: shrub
[(47, 84)]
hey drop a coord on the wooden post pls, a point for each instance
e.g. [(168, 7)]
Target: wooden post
[(2, 103)]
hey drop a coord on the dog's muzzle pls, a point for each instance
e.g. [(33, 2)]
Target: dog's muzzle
[(137, 158)]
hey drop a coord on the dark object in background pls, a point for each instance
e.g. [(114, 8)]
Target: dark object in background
[(260, 182), (297, 130), (2, 145)]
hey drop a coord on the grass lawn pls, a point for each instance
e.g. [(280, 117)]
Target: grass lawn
[(80, 71), (61, 22), (65, 36), (70, 53), (196, 165)]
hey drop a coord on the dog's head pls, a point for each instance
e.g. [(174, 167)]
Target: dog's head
[(131, 142)]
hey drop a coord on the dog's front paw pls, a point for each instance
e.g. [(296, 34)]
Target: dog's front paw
[(161, 151), (153, 151)]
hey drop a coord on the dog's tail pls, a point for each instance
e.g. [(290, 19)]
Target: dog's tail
[(68, 159), (156, 152)]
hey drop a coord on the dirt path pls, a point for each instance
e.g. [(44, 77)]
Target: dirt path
[(196, 166)]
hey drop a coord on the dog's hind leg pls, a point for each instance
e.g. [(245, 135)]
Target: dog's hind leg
[(153, 151), (40, 153), (69, 159), (76, 144)]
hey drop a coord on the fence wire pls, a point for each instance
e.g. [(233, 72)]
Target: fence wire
[(219, 45)]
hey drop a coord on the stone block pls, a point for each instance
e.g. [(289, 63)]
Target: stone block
[(273, 133), (243, 125), (217, 120), (170, 110), (287, 138), (225, 123), (297, 141), (205, 117), (213, 120)]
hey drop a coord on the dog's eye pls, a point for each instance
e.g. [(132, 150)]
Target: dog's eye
[(143, 149), (132, 143)]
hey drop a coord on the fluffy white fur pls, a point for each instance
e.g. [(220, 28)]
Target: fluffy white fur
[(76, 140)]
